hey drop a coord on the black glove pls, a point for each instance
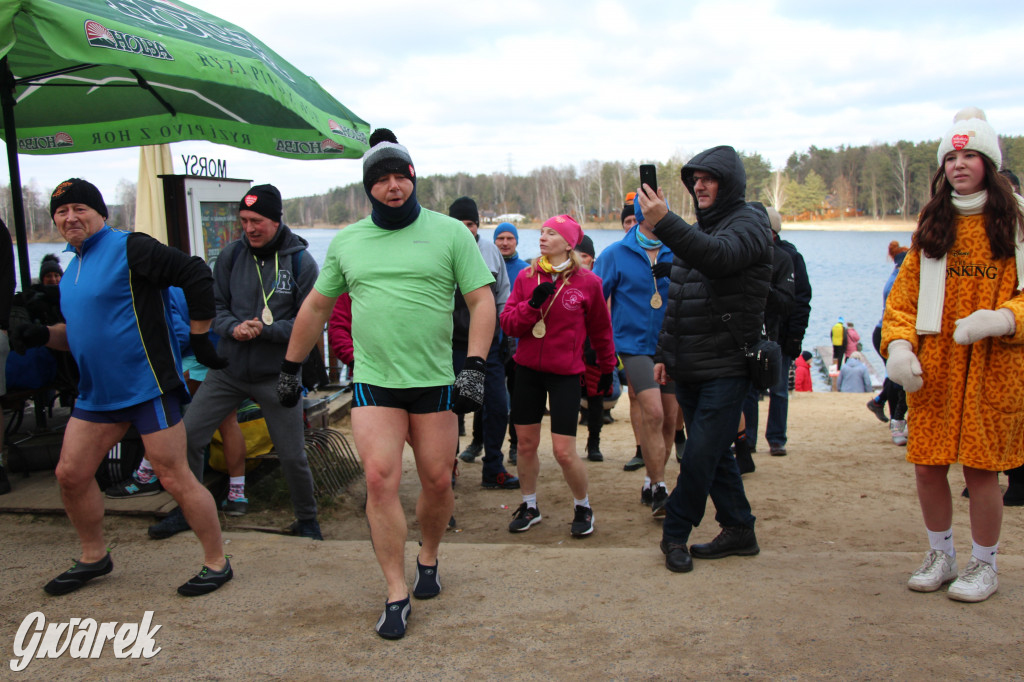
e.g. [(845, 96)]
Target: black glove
[(541, 293), (468, 394), (604, 384), (289, 388), (791, 348), (32, 335), (205, 352), (661, 269)]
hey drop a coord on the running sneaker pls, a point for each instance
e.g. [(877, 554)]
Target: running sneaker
[(937, 569), (978, 582), (878, 410), (471, 452), (237, 507), (133, 487), (503, 481), (428, 582), (582, 522), (79, 574), (646, 496), (658, 502), (393, 621), (898, 431), (523, 518), (206, 581)]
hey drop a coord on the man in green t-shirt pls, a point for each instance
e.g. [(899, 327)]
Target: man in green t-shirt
[(401, 265)]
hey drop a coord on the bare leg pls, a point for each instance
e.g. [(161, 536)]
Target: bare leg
[(572, 466), (85, 446), (167, 452), (934, 496), (986, 505), (635, 416), (435, 438), (528, 467), (652, 440), (379, 433)]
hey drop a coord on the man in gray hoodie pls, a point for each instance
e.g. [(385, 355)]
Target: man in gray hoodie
[(260, 282)]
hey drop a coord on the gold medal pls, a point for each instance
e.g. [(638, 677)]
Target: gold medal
[(540, 329), (267, 316), (656, 300)]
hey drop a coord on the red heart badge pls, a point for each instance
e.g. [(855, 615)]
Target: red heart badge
[(960, 141), (250, 199)]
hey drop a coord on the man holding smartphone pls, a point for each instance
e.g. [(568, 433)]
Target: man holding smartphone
[(723, 263)]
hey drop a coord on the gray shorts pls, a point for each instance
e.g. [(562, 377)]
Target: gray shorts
[(640, 373), (5, 348)]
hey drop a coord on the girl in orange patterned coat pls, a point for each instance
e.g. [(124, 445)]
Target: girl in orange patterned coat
[(953, 333)]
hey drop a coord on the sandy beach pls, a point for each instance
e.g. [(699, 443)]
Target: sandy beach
[(837, 521)]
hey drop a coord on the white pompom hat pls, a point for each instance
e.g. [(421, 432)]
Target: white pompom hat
[(971, 130)]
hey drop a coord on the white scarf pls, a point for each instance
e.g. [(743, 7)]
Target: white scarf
[(931, 294)]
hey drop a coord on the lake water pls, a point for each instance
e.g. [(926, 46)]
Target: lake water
[(847, 271)]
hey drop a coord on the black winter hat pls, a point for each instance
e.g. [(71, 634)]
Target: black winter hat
[(385, 156), (627, 211), (464, 208), (77, 191), (51, 263), (263, 199), (586, 246)]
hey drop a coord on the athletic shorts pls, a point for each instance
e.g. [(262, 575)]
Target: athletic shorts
[(195, 369), (426, 400), (534, 390), (154, 415), (640, 373)]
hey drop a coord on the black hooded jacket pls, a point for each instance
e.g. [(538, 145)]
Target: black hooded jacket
[(730, 248)]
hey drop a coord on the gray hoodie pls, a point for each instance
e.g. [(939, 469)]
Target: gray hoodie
[(237, 291)]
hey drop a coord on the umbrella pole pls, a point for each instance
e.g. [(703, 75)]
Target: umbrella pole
[(17, 203)]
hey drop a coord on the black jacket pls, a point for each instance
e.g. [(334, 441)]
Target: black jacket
[(794, 326), (729, 249), (782, 294)]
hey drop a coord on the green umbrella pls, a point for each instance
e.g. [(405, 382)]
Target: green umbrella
[(84, 75)]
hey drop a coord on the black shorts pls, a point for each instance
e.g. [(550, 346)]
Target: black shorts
[(535, 389), (162, 412), (426, 400)]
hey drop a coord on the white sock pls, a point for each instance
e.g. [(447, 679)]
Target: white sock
[(145, 472), (942, 541), (661, 484), (986, 554), (585, 502), (236, 487), (647, 482), (530, 500)]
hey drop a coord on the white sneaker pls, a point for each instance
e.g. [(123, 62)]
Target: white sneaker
[(978, 582), (937, 569), (898, 431)]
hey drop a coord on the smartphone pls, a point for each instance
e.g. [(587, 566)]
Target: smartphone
[(649, 176)]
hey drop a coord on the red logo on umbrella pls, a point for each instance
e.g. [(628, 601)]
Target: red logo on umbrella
[(960, 141), (63, 140), (250, 199), (94, 30), (331, 146)]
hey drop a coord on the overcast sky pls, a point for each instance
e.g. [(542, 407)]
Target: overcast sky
[(490, 86)]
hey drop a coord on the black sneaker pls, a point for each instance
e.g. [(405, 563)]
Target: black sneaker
[(677, 557), (733, 540), (646, 496), (658, 501), (206, 581), (523, 518), (594, 453), (133, 487), (428, 582), (306, 528), (582, 522), (78, 575), (878, 409), (393, 621), (172, 524), (503, 481), (237, 507), (471, 452)]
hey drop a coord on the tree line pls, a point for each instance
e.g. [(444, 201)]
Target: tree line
[(39, 225)]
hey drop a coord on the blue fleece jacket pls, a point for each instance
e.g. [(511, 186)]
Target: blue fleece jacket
[(625, 270)]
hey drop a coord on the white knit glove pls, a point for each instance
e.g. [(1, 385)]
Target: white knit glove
[(982, 324), (903, 366)]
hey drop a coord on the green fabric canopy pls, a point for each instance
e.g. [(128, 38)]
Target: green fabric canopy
[(84, 75)]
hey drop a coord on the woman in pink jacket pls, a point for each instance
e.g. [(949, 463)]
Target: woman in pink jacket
[(554, 306)]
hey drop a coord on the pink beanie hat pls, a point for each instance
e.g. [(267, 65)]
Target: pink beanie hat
[(567, 228)]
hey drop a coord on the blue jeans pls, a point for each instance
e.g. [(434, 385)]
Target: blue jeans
[(778, 409), (494, 411), (712, 412)]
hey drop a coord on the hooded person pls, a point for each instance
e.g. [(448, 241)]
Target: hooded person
[(723, 264), (401, 265)]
